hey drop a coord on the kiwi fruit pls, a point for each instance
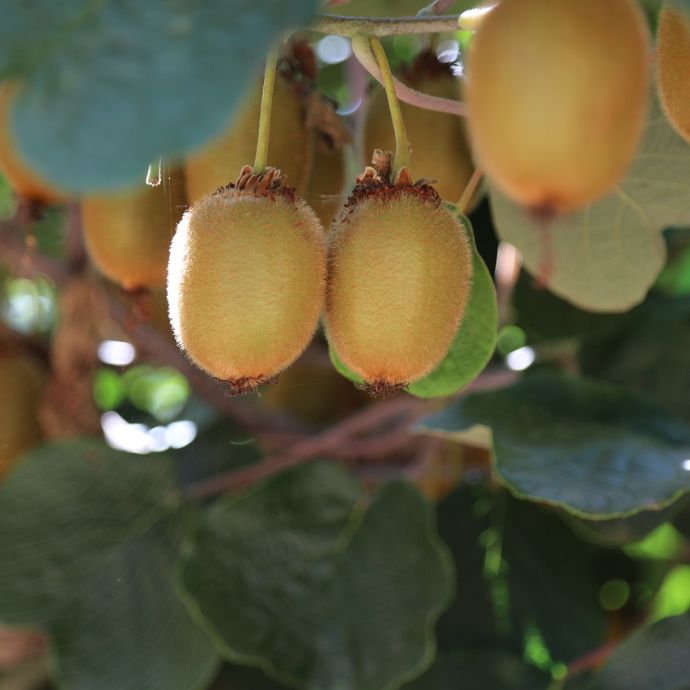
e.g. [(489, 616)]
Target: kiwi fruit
[(290, 142), (128, 234), (557, 95), (673, 68), (21, 383), (25, 182), (439, 147), (399, 277), (246, 280)]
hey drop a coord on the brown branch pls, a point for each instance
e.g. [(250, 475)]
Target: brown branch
[(321, 444), (330, 442)]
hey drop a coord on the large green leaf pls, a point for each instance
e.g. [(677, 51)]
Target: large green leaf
[(547, 317), (553, 580), (475, 669), (112, 85), (592, 449), (463, 524), (607, 256), (649, 356), (654, 657), (298, 578), (88, 545), (474, 342)]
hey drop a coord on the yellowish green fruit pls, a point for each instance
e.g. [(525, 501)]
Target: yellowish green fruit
[(290, 144), (20, 383), (246, 280), (673, 68), (557, 95), (326, 189), (128, 234), (439, 147), (400, 271), (24, 181)]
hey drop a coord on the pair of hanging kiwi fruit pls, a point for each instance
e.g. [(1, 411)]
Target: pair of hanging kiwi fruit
[(252, 271), (553, 122)]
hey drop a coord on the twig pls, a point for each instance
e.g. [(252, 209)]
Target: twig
[(383, 26), (309, 448), (592, 659), (366, 58)]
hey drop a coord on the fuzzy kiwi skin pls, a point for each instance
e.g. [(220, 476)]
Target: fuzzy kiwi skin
[(439, 147), (128, 234), (290, 144), (24, 181), (400, 272), (20, 383), (557, 96), (246, 284), (673, 68)]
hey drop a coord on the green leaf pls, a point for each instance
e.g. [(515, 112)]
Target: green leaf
[(463, 524), (296, 577), (88, 549), (126, 629), (654, 657), (553, 580), (591, 449), (647, 356), (113, 85), (472, 669), (619, 532), (547, 317), (474, 342), (607, 256)]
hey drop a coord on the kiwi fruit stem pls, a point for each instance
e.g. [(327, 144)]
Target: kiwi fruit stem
[(468, 193), (261, 158), (402, 144)]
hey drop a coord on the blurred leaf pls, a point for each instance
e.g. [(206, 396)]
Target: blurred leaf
[(473, 669), (649, 356), (297, 578), (607, 256), (547, 317), (618, 532), (673, 597), (111, 86), (654, 657), (8, 203), (109, 391), (88, 548), (663, 543), (219, 447), (674, 280), (589, 448), (553, 580), (463, 522), (474, 342)]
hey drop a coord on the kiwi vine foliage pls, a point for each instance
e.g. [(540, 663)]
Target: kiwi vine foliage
[(531, 533)]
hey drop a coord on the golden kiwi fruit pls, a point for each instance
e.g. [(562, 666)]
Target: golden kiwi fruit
[(673, 68), (557, 95), (399, 277), (246, 280), (439, 148), (25, 182), (128, 234), (290, 141), (21, 383)]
